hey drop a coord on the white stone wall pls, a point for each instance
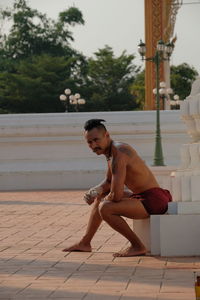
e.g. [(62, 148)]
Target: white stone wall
[(48, 151)]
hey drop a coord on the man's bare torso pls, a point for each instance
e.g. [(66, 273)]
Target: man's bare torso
[(138, 178)]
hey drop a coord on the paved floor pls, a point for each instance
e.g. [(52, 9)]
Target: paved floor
[(34, 228)]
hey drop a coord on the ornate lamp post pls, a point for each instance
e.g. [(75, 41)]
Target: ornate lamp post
[(164, 93), (65, 98), (175, 103), (163, 52), (75, 100)]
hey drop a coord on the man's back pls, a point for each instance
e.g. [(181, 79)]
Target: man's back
[(138, 176)]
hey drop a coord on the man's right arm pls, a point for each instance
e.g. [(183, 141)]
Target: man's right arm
[(103, 188), (100, 190)]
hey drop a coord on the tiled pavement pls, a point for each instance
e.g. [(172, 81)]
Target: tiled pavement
[(36, 225)]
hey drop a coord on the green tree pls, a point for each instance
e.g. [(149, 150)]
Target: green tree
[(109, 80), (32, 33), (182, 77), (36, 60), (35, 86), (138, 89)]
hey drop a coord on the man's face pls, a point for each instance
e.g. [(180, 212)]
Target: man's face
[(98, 140)]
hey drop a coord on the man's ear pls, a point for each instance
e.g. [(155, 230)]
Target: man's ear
[(107, 134)]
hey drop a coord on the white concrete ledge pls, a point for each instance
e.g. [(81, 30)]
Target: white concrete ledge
[(170, 235), (179, 235), (50, 180), (184, 208), (48, 150)]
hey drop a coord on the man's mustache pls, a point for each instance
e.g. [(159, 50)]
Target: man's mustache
[(95, 149)]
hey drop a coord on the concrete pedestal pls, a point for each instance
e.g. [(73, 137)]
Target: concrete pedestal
[(184, 208), (179, 235), (176, 233)]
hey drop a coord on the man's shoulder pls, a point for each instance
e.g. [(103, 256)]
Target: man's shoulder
[(123, 148)]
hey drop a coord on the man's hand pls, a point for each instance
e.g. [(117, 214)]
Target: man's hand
[(109, 197), (92, 194)]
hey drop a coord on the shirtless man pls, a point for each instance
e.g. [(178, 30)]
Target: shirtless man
[(111, 202)]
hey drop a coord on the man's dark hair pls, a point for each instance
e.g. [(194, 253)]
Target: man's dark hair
[(94, 123)]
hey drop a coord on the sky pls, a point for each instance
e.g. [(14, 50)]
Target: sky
[(120, 24)]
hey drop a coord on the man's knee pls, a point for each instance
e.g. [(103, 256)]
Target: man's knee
[(105, 208)]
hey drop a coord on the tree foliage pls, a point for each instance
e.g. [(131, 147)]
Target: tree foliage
[(182, 77), (35, 85), (138, 89), (32, 33), (109, 79), (37, 61)]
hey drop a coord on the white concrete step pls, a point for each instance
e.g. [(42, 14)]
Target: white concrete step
[(184, 208), (175, 235), (58, 179), (170, 235)]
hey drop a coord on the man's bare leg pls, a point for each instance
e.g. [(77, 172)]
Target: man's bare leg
[(84, 244), (111, 212)]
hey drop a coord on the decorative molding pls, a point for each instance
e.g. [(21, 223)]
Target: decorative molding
[(170, 12), (153, 33), (160, 17)]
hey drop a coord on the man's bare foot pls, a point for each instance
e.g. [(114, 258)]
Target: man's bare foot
[(78, 247), (130, 251)]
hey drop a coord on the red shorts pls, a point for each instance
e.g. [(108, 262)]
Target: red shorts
[(155, 200)]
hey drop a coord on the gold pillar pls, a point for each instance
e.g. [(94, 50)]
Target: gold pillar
[(156, 21)]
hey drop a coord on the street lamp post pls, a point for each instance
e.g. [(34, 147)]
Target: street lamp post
[(164, 93), (65, 98), (163, 52), (75, 100), (175, 103)]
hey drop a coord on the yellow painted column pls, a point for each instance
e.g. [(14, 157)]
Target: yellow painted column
[(154, 31)]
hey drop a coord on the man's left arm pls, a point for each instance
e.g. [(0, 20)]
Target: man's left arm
[(119, 164)]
